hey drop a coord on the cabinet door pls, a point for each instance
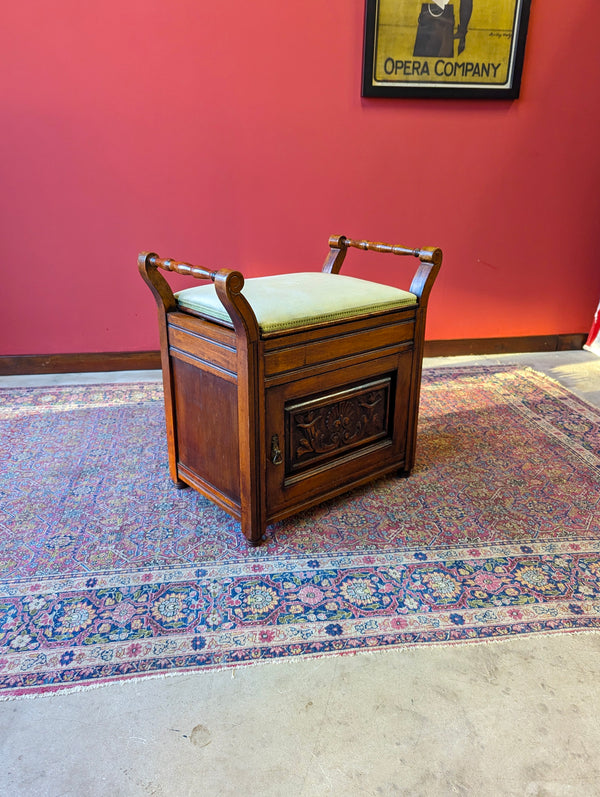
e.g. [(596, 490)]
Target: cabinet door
[(330, 432)]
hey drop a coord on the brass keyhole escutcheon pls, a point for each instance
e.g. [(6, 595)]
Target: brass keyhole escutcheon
[(276, 457)]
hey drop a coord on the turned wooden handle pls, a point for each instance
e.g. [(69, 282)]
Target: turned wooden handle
[(181, 268), (428, 254)]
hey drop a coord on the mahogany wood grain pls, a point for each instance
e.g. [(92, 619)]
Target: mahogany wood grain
[(338, 348), (267, 425)]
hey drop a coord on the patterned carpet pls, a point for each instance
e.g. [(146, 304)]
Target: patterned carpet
[(107, 572)]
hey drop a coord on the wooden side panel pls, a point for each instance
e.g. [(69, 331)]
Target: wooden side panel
[(207, 427)]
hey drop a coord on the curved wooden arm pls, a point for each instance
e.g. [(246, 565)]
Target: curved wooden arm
[(430, 257), (161, 290), (228, 285), (427, 255), (150, 262), (199, 272)]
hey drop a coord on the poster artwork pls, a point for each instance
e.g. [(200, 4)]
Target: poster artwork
[(444, 47)]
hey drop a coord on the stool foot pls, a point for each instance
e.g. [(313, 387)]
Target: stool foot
[(253, 531)]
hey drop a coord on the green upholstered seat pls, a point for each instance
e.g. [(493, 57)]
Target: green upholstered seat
[(286, 301)]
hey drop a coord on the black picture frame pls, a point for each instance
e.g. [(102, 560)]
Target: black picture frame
[(401, 35)]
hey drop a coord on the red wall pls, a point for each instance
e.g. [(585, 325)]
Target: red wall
[(234, 134)]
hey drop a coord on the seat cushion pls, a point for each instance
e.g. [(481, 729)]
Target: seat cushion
[(286, 301)]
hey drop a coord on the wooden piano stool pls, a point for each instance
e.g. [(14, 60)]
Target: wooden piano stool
[(284, 391)]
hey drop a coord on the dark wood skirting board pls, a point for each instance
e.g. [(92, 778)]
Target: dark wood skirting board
[(150, 360), (532, 343), (80, 363)]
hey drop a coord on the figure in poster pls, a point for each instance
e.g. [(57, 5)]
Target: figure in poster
[(464, 17), (435, 31)]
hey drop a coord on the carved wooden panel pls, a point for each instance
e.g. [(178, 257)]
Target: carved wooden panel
[(328, 426)]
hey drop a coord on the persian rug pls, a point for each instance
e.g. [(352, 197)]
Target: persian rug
[(107, 572)]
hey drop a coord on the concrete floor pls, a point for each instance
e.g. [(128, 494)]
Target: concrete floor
[(517, 717)]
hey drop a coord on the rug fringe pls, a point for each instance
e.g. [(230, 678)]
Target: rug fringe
[(408, 649)]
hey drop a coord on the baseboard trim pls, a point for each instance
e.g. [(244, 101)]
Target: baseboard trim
[(531, 343), (150, 360), (79, 363)]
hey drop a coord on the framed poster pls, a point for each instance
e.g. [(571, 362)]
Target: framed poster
[(444, 48)]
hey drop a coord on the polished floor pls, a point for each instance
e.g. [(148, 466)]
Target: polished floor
[(517, 717)]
